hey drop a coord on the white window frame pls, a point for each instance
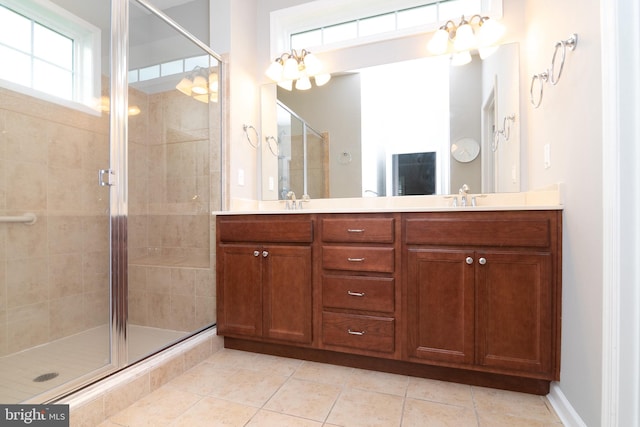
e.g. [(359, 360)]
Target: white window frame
[(320, 13), (86, 56)]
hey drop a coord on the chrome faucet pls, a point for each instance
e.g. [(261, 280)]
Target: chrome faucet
[(464, 190), (291, 200)]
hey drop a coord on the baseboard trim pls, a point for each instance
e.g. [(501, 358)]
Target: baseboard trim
[(563, 408)]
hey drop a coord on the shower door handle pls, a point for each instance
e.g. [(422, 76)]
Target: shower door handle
[(110, 175)]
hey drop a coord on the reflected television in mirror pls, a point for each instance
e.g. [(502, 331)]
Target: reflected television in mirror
[(414, 174)]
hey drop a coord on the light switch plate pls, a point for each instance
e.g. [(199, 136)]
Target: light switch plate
[(547, 156)]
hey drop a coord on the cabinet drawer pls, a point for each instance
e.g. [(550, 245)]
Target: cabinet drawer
[(372, 230), (361, 332), (534, 232), (358, 293), (266, 229), (354, 258)]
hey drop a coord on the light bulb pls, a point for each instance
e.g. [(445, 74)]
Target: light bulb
[(322, 79), (291, 71), (460, 58), (274, 72), (439, 42), (199, 85), (312, 64), (133, 110), (465, 39), (303, 83), (213, 83), (202, 98), (184, 86), (490, 32)]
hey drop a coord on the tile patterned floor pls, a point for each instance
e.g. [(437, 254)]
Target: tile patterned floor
[(235, 388)]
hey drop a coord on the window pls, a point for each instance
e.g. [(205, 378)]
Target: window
[(52, 54), (336, 23)]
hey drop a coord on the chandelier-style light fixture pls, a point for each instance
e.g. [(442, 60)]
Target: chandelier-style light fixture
[(299, 68), (479, 32), (201, 84)]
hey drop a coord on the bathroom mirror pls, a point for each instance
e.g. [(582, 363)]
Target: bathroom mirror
[(412, 109)]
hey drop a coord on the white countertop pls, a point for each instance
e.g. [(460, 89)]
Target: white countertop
[(546, 199)]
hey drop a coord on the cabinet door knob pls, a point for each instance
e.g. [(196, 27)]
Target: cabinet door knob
[(469, 260), (482, 261), (359, 333), (256, 253), (355, 294), (265, 254)]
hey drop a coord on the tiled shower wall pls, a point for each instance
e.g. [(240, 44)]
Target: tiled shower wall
[(173, 159), (53, 274)]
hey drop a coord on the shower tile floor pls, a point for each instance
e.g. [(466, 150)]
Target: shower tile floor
[(71, 358), (236, 388)]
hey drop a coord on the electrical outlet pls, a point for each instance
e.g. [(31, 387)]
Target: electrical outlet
[(271, 183), (547, 156)]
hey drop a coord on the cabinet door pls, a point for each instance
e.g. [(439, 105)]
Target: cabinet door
[(239, 298), (287, 293), (515, 311), (440, 306)]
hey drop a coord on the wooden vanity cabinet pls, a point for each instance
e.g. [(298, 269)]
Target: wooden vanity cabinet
[(466, 296), (483, 291), (264, 270)]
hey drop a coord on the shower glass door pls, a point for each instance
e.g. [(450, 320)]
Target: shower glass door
[(173, 178), (54, 216), (108, 174)]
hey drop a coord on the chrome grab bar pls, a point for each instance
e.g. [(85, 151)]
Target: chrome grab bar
[(28, 219)]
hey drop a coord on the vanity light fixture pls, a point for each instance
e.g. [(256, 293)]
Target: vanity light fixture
[(479, 32), (299, 68), (201, 84)]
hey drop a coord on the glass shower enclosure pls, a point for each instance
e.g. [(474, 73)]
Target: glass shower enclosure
[(110, 147)]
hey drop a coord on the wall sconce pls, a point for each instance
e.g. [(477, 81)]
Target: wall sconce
[(479, 32), (200, 84), (291, 67)]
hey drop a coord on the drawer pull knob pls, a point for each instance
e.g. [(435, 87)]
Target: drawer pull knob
[(355, 259), (355, 230), (359, 333), (355, 294)]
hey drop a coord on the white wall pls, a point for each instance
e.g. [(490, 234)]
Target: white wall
[(238, 45), (570, 120)]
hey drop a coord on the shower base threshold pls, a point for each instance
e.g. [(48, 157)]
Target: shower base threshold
[(30, 372)]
